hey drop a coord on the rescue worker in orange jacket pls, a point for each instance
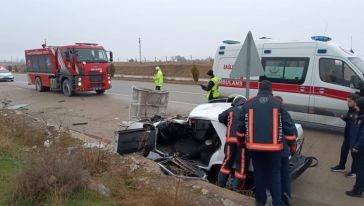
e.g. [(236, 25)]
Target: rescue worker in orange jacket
[(266, 129), (234, 151)]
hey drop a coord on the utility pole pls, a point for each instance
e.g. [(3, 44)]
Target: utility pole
[(140, 50)]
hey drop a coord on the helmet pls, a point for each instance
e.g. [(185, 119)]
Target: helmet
[(238, 100), (157, 68), (238, 97)]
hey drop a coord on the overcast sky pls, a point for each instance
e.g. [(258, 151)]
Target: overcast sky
[(173, 27)]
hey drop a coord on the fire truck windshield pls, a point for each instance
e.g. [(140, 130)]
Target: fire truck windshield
[(91, 55)]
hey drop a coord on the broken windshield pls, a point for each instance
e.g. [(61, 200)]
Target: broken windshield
[(91, 55), (358, 62)]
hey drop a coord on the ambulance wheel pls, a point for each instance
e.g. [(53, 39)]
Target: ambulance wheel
[(66, 88), (100, 91), (38, 85)]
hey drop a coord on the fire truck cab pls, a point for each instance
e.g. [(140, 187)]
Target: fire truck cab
[(71, 69)]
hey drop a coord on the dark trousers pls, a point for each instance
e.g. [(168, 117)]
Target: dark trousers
[(354, 165), (267, 175), (286, 179), (234, 153), (157, 87), (345, 148), (359, 183)]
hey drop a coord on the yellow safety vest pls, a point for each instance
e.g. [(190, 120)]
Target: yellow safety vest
[(215, 88), (158, 78)]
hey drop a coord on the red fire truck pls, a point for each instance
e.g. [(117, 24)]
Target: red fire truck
[(70, 69)]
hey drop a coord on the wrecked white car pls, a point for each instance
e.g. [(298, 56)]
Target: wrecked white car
[(191, 147)]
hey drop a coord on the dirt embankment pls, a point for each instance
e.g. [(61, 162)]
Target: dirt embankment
[(170, 69), (51, 161)]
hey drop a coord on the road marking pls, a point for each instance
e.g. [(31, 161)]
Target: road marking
[(194, 93), (124, 95), (187, 103)]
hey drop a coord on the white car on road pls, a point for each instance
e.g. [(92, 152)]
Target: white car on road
[(6, 75)]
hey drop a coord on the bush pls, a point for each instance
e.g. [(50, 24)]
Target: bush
[(16, 133), (195, 73), (95, 161), (50, 173)]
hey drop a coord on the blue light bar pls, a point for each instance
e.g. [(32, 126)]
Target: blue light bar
[(321, 38), (230, 42), (267, 51)]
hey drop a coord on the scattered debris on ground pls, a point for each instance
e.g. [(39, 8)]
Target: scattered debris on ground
[(127, 180)]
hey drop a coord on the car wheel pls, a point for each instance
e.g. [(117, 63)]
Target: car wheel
[(38, 85), (100, 91), (66, 88)]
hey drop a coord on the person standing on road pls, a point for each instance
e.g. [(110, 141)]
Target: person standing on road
[(264, 125), (350, 136), (212, 87), (234, 149), (358, 148), (158, 78)]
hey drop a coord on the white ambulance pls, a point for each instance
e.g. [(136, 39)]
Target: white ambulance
[(313, 77)]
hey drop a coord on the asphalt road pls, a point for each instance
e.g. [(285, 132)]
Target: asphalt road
[(104, 113)]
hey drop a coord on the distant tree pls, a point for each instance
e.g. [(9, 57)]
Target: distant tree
[(195, 73), (180, 58), (10, 68)]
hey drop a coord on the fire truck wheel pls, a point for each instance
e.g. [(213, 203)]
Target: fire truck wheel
[(66, 88), (38, 85), (100, 91)]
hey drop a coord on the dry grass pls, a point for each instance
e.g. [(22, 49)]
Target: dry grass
[(51, 172), (96, 161), (174, 195), (16, 133), (170, 69)]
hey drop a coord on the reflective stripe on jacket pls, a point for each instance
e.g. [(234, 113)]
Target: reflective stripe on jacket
[(230, 118), (265, 124)]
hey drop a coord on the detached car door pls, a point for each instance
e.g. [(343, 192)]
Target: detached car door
[(135, 140)]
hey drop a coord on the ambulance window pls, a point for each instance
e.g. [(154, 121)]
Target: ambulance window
[(335, 71), (285, 69)]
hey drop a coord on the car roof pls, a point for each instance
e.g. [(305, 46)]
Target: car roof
[(209, 111)]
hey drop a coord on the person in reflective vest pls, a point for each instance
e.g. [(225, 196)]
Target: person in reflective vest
[(234, 149), (158, 78), (212, 87), (266, 130)]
